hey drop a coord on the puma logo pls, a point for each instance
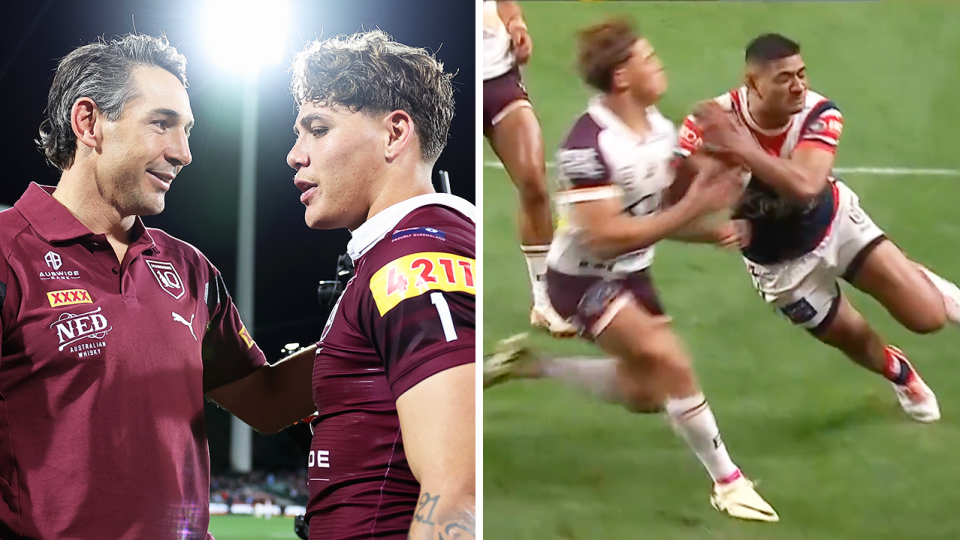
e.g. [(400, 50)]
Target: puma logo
[(180, 319)]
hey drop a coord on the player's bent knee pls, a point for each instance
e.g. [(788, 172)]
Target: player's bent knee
[(640, 393), (927, 321)]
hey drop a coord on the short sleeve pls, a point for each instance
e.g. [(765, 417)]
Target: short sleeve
[(421, 307), (584, 172), (689, 138), (822, 127), (229, 352)]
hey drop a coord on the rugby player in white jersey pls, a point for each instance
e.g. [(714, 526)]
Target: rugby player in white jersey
[(514, 134), (808, 230), (615, 167)]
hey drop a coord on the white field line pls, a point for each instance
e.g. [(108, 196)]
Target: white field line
[(880, 171)]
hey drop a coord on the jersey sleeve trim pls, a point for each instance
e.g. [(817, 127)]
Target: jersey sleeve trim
[(820, 142), (588, 194)]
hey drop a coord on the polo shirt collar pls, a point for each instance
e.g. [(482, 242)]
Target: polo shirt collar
[(55, 223)]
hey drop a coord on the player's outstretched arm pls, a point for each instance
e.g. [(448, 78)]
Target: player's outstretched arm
[(610, 232), (802, 176), (272, 397), (727, 233), (437, 419)]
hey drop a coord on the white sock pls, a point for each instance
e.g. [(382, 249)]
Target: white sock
[(595, 377), (949, 291), (536, 257), (692, 419)]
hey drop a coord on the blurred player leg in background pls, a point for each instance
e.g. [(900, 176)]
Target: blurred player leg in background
[(513, 130), (517, 140)]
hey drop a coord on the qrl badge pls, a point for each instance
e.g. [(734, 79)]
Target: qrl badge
[(167, 277)]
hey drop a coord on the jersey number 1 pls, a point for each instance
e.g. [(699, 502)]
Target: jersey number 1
[(446, 320)]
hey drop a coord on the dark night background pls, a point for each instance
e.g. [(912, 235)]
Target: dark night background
[(202, 206)]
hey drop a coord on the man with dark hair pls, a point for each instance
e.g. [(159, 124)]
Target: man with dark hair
[(393, 452), (614, 170), (113, 333), (808, 229)]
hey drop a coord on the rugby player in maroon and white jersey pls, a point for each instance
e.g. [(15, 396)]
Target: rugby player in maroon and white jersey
[(512, 128), (393, 452), (615, 170), (808, 230)]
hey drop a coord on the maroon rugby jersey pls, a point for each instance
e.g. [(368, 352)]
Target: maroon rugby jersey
[(407, 314), (103, 369)]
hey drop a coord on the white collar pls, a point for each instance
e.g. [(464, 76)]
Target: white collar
[(367, 235), (607, 119)]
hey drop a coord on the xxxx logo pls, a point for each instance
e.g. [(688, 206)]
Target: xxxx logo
[(69, 297)]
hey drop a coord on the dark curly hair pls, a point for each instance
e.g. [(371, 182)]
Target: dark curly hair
[(103, 72), (369, 71)]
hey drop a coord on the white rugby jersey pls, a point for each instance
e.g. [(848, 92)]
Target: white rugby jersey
[(603, 158), (820, 123), (497, 56), (783, 228)]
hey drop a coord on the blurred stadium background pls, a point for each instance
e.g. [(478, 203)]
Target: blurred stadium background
[(202, 208), (833, 452)]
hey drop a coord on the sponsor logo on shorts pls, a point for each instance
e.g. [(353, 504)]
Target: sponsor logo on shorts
[(418, 273), (167, 277), (418, 232), (799, 312), (82, 333), (69, 297), (598, 298)]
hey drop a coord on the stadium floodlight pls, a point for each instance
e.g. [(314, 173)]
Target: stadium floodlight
[(244, 35)]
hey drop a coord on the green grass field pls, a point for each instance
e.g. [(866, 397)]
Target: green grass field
[(251, 528), (834, 453)]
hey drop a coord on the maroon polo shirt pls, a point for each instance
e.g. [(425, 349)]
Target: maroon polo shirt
[(103, 370), (407, 314)]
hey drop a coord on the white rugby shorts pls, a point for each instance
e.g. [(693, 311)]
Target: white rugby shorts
[(806, 289)]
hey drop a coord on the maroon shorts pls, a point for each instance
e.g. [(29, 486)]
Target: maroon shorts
[(500, 92), (586, 299)]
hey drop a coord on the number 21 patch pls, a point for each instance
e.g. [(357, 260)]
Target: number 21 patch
[(418, 273)]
